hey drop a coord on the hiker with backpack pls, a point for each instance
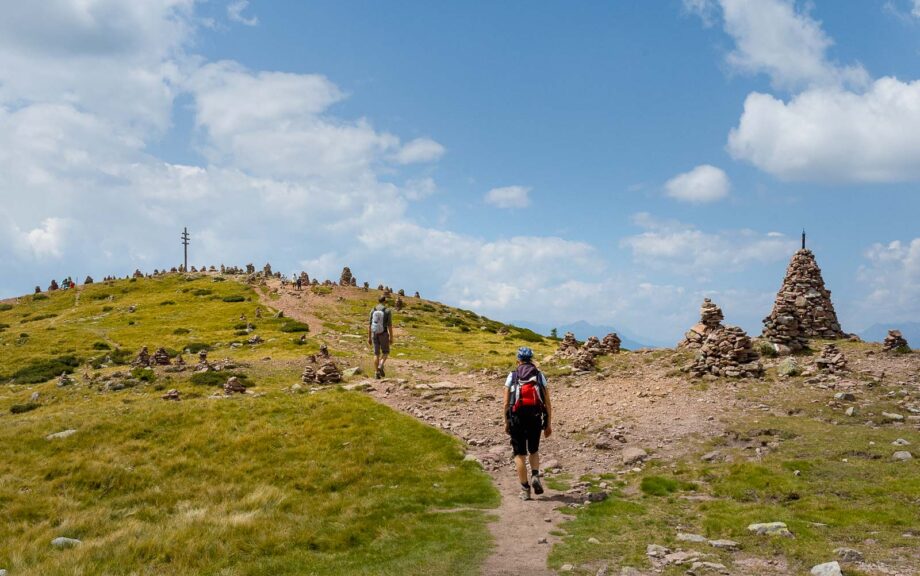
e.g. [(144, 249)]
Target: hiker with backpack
[(528, 413), (380, 335)]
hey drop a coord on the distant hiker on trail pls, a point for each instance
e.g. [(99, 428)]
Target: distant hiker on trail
[(380, 334), (528, 412)]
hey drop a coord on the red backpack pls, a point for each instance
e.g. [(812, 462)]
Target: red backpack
[(527, 392)]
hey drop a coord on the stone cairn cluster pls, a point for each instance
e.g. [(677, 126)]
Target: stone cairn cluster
[(584, 356), (234, 386), (725, 350), (831, 359), (803, 308), (895, 342), (710, 320)]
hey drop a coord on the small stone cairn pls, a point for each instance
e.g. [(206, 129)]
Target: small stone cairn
[(583, 361), (568, 346), (203, 365), (327, 373), (161, 357), (142, 359), (593, 345), (831, 359), (346, 277), (895, 342), (400, 304), (724, 350), (803, 307), (234, 386), (611, 343), (710, 320), (172, 394)]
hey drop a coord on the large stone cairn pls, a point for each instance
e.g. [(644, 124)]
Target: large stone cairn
[(327, 373), (895, 342), (346, 278), (710, 320), (803, 307), (583, 361), (611, 343), (727, 351), (831, 359)]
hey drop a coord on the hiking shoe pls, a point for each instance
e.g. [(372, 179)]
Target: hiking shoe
[(382, 373), (537, 485), (377, 374), (525, 493)]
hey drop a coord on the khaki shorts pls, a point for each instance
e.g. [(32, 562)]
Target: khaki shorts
[(381, 343)]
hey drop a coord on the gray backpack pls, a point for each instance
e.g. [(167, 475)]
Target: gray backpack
[(379, 320)]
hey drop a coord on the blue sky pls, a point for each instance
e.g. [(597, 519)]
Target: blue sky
[(613, 162)]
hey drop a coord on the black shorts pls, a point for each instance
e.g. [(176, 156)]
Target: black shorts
[(525, 434)]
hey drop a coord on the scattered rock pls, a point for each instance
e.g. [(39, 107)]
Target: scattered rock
[(234, 386), (892, 417), (566, 568), (770, 529), (849, 555), (789, 367), (902, 456), (62, 542), (171, 395), (831, 359), (827, 569), (701, 567), (634, 455), (729, 545), (900, 442), (684, 537), (656, 551), (60, 435)]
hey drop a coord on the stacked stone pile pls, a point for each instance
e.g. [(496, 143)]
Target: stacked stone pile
[(611, 343), (583, 361), (803, 307), (234, 386), (161, 357), (710, 320), (203, 365), (593, 345), (142, 359), (831, 359), (309, 375), (399, 303), (568, 347), (328, 373), (346, 278), (895, 341), (727, 351), (173, 394)]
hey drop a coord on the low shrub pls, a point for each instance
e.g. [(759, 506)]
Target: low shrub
[(293, 326), (527, 335), (4, 307), (241, 333), (3, 326), (196, 347), (144, 374), (202, 291), (107, 308), (39, 297), (167, 303), (39, 317), (100, 296), (45, 369), (101, 346), (23, 408), (661, 486), (234, 298), (213, 378), (321, 290), (243, 326), (181, 331)]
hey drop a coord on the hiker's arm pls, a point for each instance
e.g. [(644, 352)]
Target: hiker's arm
[(505, 409), (370, 338), (548, 431), (390, 330)]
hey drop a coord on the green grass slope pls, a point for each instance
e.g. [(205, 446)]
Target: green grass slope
[(266, 483)]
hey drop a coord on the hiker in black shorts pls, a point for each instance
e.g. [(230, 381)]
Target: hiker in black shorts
[(528, 413)]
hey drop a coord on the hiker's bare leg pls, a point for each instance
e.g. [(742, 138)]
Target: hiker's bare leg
[(383, 360), (521, 463), (535, 461), (377, 362)]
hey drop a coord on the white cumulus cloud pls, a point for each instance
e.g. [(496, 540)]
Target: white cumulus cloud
[(235, 13), (419, 150), (509, 197), (705, 183), (892, 274)]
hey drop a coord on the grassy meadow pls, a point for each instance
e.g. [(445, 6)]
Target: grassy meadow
[(272, 482)]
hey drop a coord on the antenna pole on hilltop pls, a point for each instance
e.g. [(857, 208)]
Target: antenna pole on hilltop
[(185, 238), (803, 238)]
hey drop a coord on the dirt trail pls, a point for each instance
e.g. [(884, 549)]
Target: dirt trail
[(597, 417)]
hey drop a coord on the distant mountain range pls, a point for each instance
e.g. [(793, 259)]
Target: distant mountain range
[(582, 330), (877, 332)]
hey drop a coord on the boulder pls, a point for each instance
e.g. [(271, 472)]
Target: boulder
[(826, 569)]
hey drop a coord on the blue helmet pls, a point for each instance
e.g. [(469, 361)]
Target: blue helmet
[(525, 354)]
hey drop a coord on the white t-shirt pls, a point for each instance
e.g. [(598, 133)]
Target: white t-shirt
[(511, 376)]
